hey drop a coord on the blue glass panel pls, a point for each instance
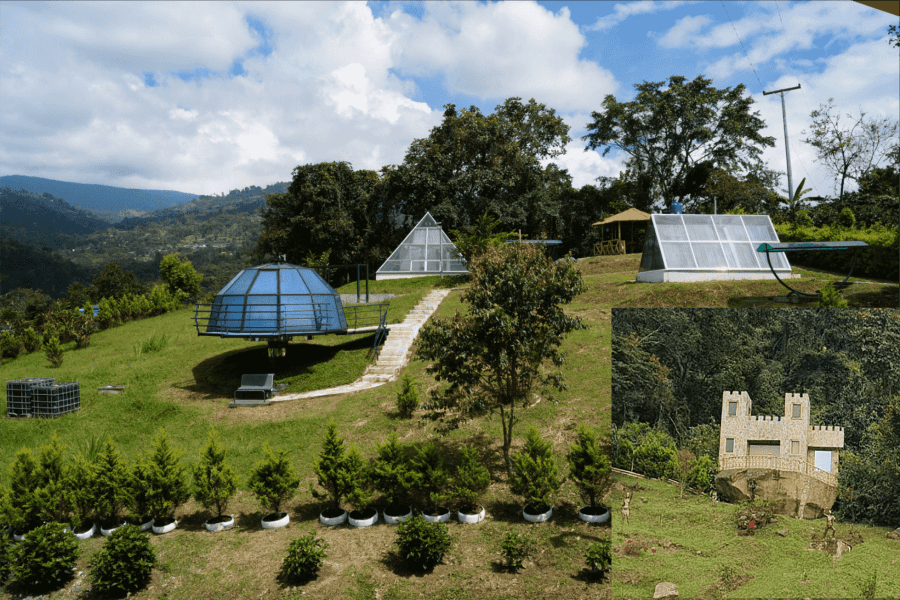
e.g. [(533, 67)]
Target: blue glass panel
[(266, 283), (292, 283), (314, 283), (262, 313), (243, 283), (228, 285)]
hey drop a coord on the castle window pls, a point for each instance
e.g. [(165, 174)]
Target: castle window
[(732, 409), (795, 447), (729, 444), (796, 411)]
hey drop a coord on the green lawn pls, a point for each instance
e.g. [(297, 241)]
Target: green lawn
[(698, 549)]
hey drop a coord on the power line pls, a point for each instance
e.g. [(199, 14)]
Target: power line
[(742, 45)]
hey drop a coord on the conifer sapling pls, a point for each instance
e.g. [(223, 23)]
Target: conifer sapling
[(214, 480), (273, 479)]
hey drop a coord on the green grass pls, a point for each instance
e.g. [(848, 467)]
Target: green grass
[(697, 544)]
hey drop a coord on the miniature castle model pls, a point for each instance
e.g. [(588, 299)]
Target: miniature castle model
[(799, 462)]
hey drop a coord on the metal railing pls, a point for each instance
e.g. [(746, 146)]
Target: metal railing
[(796, 465), (380, 334), (365, 315), (265, 319)]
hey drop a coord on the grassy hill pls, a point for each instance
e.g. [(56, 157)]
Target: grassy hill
[(174, 390), (698, 549)]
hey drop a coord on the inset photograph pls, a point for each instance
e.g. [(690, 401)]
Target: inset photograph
[(755, 453)]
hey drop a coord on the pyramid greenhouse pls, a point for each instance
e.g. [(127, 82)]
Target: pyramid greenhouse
[(426, 251)]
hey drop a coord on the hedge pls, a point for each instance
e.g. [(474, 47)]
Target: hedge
[(880, 260)]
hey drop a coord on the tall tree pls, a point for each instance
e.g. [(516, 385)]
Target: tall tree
[(497, 354), (668, 132), (180, 276), (114, 282), (328, 206), (472, 163), (849, 153)]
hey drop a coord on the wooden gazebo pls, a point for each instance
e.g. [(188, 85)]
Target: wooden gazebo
[(617, 245)]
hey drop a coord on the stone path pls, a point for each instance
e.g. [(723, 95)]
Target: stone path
[(394, 353)]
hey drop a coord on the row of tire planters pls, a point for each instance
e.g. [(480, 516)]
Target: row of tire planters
[(394, 515)]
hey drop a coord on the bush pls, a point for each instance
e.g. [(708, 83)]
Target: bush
[(703, 473), (81, 483), (847, 218), (124, 563), (53, 496), (830, 297), (214, 480), (304, 558), (599, 557), (880, 259), (10, 345), (273, 479), (5, 549), (168, 478), (589, 466), (472, 478), (83, 329), (515, 548), (331, 469), (422, 544), (54, 352), (20, 509), (431, 475), (407, 396), (111, 484), (31, 340), (536, 477), (45, 558), (656, 456), (391, 472)]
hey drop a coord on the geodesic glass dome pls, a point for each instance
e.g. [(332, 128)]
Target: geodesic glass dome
[(426, 251), (709, 248), (275, 301)]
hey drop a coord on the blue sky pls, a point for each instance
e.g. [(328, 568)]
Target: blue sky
[(208, 97)]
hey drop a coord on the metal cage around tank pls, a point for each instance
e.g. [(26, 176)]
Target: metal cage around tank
[(271, 302)]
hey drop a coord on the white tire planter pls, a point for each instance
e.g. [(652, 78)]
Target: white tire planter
[(333, 521), (221, 526), (108, 532), (601, 518), (147, 525), (363, 522), (467, 518), (541, 518), (161, 529), (18, 538), (392, 520), (87, 534), (444, 517), (277, 523)]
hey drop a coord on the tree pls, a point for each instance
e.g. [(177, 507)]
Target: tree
[(332, 469), (328, 207), (536, 477), (391, 471), (494, 356), (273, 480), (472, 163), (668, 133), (180, 276), (214, 479), (479, 236), (111, 489), (725, 190), (849, 153), (894, 40), (589, 466), (114, 282)]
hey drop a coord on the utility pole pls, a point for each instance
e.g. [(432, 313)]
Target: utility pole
[(787, 148)]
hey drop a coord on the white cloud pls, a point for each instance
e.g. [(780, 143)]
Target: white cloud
[(496, 51), (623, 11)]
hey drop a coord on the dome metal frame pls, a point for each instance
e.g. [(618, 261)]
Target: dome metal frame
[(273, 302)]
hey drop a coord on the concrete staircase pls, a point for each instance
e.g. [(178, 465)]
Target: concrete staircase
[(394, 354)]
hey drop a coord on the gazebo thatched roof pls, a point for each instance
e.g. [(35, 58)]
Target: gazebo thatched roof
[(632, 214)]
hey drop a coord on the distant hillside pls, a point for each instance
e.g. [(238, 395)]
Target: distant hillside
[(27, 266), (248, 200), (42, 219), (109, 200)]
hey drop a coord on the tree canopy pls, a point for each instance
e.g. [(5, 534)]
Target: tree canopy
[(180, 276), (472, 163), (669, 133)]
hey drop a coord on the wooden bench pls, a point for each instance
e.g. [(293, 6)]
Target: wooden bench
[(795, 295)]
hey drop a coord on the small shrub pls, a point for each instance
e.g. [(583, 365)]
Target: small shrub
[(54, 352), (847, 218), (423, 544), (515, 548), (331, 469), (536, 477), (5, 548), (214, 480), (53, 497), (20, 509), (83, 330), (391, 472), (168, 478), (432, 476), (111, 484), (124, 563), (304, 558), (599, 557), (10, 345), (589, 466), (81, 483), (45, 559), (407, 397), (31, 340), (830, 297), (273, 479), (472, 478)]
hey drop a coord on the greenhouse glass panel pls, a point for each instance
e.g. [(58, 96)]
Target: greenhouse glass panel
[(426, 250), (266, 283), (700, 228), (710, 255), (678, 255), (243, 283), (760, 229), (670, 227)]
